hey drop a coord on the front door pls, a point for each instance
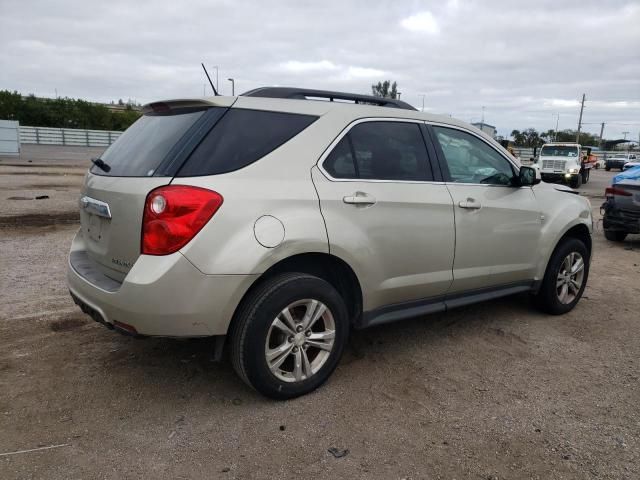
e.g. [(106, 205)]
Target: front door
[(498, 225)]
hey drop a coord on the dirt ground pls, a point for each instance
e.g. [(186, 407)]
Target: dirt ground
[(492, 391)]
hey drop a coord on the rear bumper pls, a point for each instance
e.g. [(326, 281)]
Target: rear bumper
[(616, 220), (160, 296)]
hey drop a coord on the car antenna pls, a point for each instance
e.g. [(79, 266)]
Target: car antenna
[(215, 92)]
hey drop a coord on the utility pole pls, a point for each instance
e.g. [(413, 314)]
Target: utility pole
[(555, 136), (580, 119), (625, 134), (482, 121), (399, 93), (423, 95), (233, 86), (217, 87), (601, 132)]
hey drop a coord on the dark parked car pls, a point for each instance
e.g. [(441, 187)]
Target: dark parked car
[(622, 210), (618, 160)]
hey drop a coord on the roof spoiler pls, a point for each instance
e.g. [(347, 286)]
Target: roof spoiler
[(166, 106)]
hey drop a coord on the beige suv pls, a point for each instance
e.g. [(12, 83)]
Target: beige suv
[(274, 222)]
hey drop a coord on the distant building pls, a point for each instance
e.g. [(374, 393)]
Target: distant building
[(486, 128), (116, 107)]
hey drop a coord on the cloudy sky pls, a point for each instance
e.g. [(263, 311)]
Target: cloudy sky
[(523, 61)]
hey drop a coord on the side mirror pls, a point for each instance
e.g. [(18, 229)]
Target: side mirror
[(527, 177)]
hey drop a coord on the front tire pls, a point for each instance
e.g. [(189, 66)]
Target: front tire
[(288, 335), (576, 181), (565, 278)]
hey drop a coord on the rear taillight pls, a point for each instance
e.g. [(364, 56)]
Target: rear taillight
[(611, 191), (173, 215)]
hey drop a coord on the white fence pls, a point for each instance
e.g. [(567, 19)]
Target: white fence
[(67, 136), (9, 138)]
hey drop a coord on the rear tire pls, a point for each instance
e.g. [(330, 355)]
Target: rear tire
[(277, 353), (607, 169), (561, 289), (615, 236)]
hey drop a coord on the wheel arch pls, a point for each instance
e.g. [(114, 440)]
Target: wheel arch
[(329, 267), (579, 231)]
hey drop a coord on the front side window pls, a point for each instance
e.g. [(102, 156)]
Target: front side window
[(381, 151), (471, 160)]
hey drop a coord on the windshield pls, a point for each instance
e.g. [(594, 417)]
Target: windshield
[(144, 145), (558, 151)]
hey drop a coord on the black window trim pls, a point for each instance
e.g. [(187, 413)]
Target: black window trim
[(444, 167), (181, 152), (431, 153)]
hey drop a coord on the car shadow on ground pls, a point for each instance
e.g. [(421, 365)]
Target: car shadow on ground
[(188, 366)]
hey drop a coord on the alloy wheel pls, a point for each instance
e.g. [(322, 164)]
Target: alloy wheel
[(570, 278), (300, 340)]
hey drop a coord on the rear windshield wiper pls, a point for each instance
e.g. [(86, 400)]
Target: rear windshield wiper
[(98, 162)]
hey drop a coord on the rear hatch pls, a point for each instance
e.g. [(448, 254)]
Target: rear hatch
[(145, 157)]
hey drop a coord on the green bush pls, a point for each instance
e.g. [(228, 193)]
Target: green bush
[(63, 113)]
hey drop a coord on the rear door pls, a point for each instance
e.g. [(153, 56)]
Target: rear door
[(498, 225), (113, 196), (386, 212)]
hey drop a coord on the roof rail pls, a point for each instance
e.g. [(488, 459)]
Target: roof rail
[(310, 94)]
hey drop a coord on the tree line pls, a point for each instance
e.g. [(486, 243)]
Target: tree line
[(525, 138), (64, 112), (531, 138)]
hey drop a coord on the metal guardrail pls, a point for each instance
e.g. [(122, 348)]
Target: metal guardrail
[(67, 136)]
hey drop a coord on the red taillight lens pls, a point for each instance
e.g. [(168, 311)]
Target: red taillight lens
[(611, 191), (173, 215)]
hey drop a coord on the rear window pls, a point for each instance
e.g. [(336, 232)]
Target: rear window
[(142, 148), (240, 138)]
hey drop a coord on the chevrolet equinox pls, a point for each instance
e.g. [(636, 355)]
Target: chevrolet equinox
[(278, 220)]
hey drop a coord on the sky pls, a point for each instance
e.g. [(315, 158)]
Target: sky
[(524, 62)]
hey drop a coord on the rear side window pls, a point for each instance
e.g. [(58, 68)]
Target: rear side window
[(340, 162), (240, 138), (142, 148), (381, 151)]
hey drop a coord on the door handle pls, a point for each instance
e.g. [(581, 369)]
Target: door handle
[(470, 203), (359, 198)]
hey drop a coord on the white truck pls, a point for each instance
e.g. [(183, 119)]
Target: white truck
[(568, 163)]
